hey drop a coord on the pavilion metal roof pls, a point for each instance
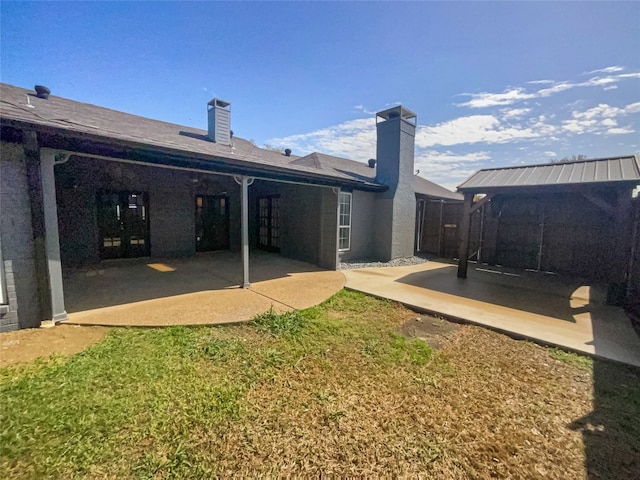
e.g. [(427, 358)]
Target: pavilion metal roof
[(612, 170)]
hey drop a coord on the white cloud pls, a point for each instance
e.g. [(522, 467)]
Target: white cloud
[(551, 154), (541, 82), (362, 108), (517, 94), (448, 168), (629, 75), (509, 113), (477, 129), (610, 87), (600, 119), (620, 131), (354, 139), (612, 69), (486, 99)]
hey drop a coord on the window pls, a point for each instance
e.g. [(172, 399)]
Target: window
[(344, 221), (269, 223)]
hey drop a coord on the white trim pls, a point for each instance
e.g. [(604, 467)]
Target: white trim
[(348, 227)]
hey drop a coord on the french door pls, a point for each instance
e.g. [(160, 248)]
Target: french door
[(269, 223), (212, 222), (123, 224)]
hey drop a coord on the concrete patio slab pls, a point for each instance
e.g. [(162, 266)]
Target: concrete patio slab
[(533, 305), (193, 291)]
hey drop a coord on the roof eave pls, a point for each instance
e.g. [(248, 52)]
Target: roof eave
[(118, 149), (551, 187)]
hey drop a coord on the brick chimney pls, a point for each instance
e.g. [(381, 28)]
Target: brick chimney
[(395, 152)]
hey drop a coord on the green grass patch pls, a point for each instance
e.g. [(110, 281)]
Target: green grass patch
[(570, 358), (288, 324)]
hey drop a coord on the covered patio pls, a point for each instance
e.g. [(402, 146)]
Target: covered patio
[(200, 290)]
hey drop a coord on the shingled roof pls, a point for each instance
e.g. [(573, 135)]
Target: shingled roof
[(21, 108), (364, 172), (612, 170)]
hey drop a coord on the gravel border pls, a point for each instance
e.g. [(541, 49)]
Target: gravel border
[(398, 262)]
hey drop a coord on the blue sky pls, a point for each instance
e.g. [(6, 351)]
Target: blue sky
[(493, 84)]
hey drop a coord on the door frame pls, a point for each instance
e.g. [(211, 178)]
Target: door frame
[(125, 250)]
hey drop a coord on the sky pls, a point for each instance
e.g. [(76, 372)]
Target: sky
[(493, 84)]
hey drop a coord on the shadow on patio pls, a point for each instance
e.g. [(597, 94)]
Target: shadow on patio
[(509, 288), (199, 290), (611, 431), (542, 308)]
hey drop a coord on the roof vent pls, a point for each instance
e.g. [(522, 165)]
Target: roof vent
[(42, 91), (372, 163), (219, 121), (287, 152)]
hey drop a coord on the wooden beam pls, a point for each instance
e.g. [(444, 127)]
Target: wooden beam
[(465, 230), (601, 203), (486, 199)]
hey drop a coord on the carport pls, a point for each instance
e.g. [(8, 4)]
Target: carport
[(572, 218)]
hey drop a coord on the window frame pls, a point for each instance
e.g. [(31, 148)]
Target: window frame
[(347, 227)]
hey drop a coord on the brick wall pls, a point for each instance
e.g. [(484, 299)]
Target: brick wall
[(18, 258), (171, 205), (363, 215)]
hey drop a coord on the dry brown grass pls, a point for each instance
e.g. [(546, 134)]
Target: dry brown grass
[(336, 391), (486, 406)]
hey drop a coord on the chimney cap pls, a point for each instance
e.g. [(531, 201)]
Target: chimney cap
[(395, 112), (216, 102), (42, 91)]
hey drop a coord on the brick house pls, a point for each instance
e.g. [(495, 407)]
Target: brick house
[(82, 184)]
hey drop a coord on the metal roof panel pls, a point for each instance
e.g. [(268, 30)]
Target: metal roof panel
[(602, 170)]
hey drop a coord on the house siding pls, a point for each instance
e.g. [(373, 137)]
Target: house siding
[(308, 221), (172, 221), (363, 218), (18, 252), (328, 249)]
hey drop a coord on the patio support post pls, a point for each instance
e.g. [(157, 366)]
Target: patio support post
[(52, 239), (465, 230), (245, 231)]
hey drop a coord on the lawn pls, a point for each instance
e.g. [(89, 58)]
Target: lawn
[(334, 390)]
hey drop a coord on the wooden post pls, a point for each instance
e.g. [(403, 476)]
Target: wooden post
[(464, 232)]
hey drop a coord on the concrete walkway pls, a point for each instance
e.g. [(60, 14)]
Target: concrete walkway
[(532, 305), (201, 290)]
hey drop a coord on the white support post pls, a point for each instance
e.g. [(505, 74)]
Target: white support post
[(52, 239), (245, 232)]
